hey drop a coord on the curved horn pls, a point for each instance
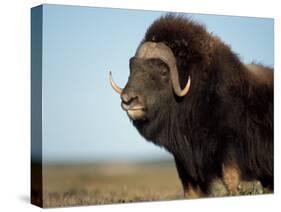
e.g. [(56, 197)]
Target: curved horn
[(114, 85), (162, 51), (176, 84)]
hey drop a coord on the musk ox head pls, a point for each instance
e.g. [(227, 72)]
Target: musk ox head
[(153, 79)]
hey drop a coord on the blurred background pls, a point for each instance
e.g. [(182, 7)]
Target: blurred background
[(91, 152)]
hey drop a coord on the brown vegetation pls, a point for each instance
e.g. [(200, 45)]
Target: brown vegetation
[(71, 185)]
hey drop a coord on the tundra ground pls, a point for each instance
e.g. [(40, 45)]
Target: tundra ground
[(89, 184)]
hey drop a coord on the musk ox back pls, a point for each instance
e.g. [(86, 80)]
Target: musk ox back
[(189, 93)]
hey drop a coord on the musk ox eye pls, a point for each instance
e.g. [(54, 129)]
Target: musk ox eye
[(156, 62), (164, 71), (159, 65)]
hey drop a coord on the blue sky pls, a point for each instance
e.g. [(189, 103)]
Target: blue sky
[(82, 117)]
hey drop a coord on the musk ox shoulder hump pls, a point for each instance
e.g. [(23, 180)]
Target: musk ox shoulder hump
[(260, 74)]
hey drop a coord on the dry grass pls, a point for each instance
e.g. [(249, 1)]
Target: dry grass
[(104, 184), (70, 185)]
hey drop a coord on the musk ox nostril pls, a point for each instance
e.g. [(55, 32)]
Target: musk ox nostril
[(128, 98), (125, 98)]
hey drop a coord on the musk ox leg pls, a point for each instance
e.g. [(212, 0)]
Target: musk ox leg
[(192, 192), (218, 188), (190, 189), (231, 177)]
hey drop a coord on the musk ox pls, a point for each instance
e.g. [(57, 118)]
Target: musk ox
[(190, 93)]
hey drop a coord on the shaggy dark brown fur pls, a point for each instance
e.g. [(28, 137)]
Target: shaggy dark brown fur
[(227, 116)]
